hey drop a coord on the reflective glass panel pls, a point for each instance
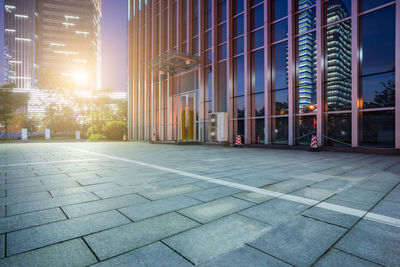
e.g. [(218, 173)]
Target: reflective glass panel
[(369, 4), (238, 126), (257, 39), (280, 102), (257, 103), (338, 128), (255, 2), (222, 33), (305, 127), (377, 128), (378, 41), (238, 70), (257, 71), (280, 66), (279, 8), (221, 16), (208, 39), (338, 95), (238, 26), (238, 46), (306, 21), (257, 131), (337, 10), (208, 14), (238, 103), (279, 30), (222, 52), (378, 90), (257, 17), (238, 6), (279, 130)]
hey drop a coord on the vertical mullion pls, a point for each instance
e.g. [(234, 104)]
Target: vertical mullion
[(214, 53), (229, 69), (397, 77), (291, 73), (267, 73), (179, 13), (320, 71), (201, 70), (189, 17), (247, 72), (354, 73)]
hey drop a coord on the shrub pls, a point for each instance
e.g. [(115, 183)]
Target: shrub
[(96, 137), (115, 130)]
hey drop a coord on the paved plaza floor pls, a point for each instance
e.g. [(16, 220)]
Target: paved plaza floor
[(137, 204)]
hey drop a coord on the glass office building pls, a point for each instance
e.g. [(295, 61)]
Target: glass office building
[(282, 70)]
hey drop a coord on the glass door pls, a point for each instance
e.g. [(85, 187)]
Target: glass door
[(187, 117)]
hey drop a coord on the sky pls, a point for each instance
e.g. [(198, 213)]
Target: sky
[(114, 73)]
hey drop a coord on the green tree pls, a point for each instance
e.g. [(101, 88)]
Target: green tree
[(10, 101)]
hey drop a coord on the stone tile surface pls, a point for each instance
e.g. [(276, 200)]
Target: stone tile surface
[(337, 258)]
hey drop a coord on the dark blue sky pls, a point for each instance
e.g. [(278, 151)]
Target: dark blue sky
[(114, 44)]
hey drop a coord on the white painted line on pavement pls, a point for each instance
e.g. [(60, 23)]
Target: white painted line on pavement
[(46, 162), (328, 206)]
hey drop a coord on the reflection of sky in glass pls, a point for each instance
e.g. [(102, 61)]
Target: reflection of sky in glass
[(280, 66), (258, 102), (258, 71), (239, 76), (279, 9), (368, 4), (280, 30), (373, 90)]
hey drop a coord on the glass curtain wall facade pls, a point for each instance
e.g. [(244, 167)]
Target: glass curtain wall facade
[(283, 70)]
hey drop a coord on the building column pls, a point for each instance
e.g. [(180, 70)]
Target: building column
[(214, 28), (201, 74), (247, 73), (291, 75), (229, 68), (267, 74), (354, 73), (320, 73)]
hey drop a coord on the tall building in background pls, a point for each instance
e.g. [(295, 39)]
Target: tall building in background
[(18, 43), (68, 38)]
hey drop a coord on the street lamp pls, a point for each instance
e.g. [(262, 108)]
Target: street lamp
[(83, 78)]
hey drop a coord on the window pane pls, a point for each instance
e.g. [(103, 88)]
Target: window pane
[(257, 71), (222, 33), (368, 4), (238, 111), (238, 46), (378, 41), (195, 45), (222, 52), (257, 17), (306, 21), (306, 76), (257, 39), (208, 83), (378, 90), (238, 26), (279, 8), (305, 127), (255, 2), (208, 57), (280, 102), (257, 104), (238, 129), (279, 30), (238, 6), (338, 127), (208, 14), (337, 9), (302, 4), (221, 10), (279, 128), (208, 39), (238, 71), (338, 95), (221, 89), (377, 128), (257, 131), (280, 66)]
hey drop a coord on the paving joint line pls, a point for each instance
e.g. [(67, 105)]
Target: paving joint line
[(329, 206)]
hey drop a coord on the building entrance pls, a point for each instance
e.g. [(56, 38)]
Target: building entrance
[(187, 117)]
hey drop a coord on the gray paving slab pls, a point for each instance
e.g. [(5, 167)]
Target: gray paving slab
[(366, 197), (314, 176), (137, 234), (215, 209), (26, 220), (274, 211), (169, 192), (314, 193), (253, 197), (30, 183), (2, 211), (69, 253), (373, 241), (333, 184), (333, 217), (33, 189), (337, 258), (387, 208), (158, 207), (24, 198), (203, 243), (214, 193), (394, 195), (2, 246), (44, 235), (68, 191), (289, 185), (300, 241), (374, 185), (20, 208), (96, 206), (246, 257), (157, 255)]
